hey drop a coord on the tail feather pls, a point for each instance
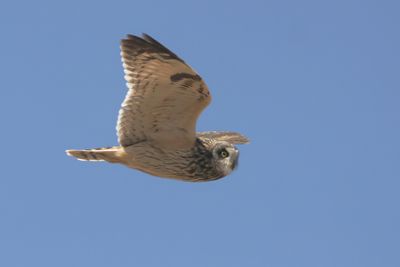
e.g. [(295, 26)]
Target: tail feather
[(110, 154)]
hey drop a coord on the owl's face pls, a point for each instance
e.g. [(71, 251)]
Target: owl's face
[(225, 157)]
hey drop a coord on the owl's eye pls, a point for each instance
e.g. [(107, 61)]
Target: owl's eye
[(223, 153)]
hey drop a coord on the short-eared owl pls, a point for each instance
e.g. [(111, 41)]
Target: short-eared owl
[(156, 125)]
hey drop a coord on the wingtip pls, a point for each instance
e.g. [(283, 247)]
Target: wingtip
[(130, 36), (145, 35), (245, 141)]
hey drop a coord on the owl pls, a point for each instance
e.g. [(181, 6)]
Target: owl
[(156, 125)]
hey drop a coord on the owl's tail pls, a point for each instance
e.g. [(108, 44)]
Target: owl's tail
[(111, 154)]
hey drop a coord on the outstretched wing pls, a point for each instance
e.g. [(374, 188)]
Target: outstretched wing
[(165, 96), (230, 137)]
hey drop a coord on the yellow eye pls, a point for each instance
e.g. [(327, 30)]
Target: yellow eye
[(223, 153)]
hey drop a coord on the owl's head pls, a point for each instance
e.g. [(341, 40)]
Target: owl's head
[(225, 157)]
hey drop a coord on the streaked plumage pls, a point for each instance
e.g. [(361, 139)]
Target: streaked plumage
[(156, 125)]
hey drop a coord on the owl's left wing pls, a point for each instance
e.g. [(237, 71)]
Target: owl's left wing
[(230, 137), (165, 96)]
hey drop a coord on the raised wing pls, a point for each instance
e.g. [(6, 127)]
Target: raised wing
[(165, 96), (230, 137)]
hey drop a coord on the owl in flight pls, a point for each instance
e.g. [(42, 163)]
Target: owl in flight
[(156, 125)]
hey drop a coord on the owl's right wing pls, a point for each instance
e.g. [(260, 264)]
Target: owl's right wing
[(230, 137), (165, 96)]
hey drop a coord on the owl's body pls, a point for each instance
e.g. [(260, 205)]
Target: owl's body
[(157, 120)]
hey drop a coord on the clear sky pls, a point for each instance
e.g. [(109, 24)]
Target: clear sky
[(314, 84)]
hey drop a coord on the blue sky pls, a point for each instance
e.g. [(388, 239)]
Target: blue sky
[(314, 84)]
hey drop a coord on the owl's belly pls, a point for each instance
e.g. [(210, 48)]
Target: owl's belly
[(154, 161)]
